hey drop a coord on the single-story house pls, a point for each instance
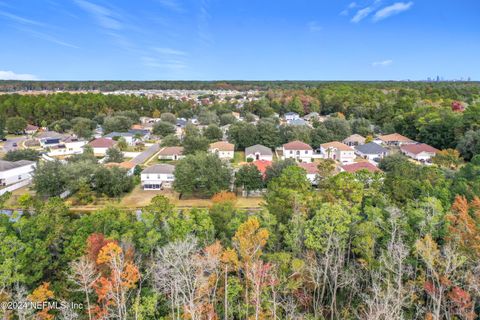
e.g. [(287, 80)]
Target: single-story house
[(157, 177), (297, 122), (312, 171), (419, 151), (371, 151), (289, 116), (354, 140), (15, 174), (31, 129), (311, 116), (364, 165), (171, 153), (142, 134), (129, 137), (297, 150), (258, 152), (101, 145), (394, 139), (223, 149), (337, 151), (262, 166), (127, 165)]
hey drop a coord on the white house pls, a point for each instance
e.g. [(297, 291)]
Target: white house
[(101, 145), (337, 151), (258, 152), (297, 150), (129, 137), (419, 151), (354, 140), (312, 171), (371, 151), (223, 149), (14, 175), (290, 116), (157, 177), (69, 147)]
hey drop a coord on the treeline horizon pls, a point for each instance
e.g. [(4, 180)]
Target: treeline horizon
[(112, 85)]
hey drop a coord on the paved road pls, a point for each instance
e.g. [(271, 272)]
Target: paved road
[(8, 146), (147, 154)]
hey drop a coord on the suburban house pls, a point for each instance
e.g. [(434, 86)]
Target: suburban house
[(297, 122), (146, 120), (297, 150), (258, 152), (223, 149), (312, 171), (67, 147), (140, 133), (31, 129), (262, 166), (101, 145), (394, 139), (127, 165), (16, 174), (419, 151), (290, 116), (171, 153), (364, 165), (371, 151), (157, 177), (354, 140), (337, 151), (311, 116), (129, 137)]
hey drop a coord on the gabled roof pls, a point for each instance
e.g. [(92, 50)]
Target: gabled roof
[(336, 145), (418, 148), (258, 148), (222, 146), (291, 113), (311, 115), (102, 143), (9, 165), (311, 168), (395, 137), (168, 151), (296, 145), (371, 148), (159, 169), (126, 164), (354, 138), (118, 134), (298, 122), (364, 165), (31, 127)]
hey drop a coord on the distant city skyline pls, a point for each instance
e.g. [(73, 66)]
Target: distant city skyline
[(239, 40)]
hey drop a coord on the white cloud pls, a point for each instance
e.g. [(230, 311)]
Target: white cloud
[(172, 5), (384, 63), (391, 10), (19, 19), (170, 51), (105, 17), (313, 26), (168, 64), (10, 75), (361, 14)]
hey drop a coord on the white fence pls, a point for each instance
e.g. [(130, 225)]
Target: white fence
[(15, 186)]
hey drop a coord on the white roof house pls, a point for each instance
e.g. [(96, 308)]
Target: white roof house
[(16, 174)]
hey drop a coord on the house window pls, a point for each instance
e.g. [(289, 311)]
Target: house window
[(291, 151), (306, 151), (19, 177)]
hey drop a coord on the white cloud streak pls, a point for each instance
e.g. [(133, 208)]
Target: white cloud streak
[(384, 63), (392, 10), (105, 17), (20, 19), (361, 14), (10, 75), (313, 26)]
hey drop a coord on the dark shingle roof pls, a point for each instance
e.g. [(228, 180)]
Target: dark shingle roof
[(371, 148), (160, 169)]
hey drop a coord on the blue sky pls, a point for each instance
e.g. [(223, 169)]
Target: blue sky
[(239, 39)]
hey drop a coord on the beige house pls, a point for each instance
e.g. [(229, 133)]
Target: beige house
[(337, 151), (354, 140), (223, 149)]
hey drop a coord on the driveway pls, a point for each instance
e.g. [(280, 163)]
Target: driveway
[(8, 145)]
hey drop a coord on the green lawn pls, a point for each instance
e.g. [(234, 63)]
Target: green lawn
[(238, 157)]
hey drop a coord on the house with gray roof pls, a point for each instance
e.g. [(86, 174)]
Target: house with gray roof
[(157, 177), (15, 174), (129, 137), (258, 152), (371, 151)]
